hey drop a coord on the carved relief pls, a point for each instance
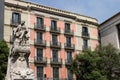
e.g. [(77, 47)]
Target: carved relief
[(18, 64)]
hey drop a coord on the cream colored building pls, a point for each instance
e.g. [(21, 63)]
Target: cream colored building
[(74, 33)]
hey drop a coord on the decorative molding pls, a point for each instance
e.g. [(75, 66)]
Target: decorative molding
[(53, 11)]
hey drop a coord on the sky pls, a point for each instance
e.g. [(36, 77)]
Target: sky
[(99, 9)]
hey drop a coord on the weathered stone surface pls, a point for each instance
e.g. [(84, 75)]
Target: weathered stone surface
[(18, 64)]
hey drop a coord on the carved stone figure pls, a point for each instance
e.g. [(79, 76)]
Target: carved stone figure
[(18, 63)]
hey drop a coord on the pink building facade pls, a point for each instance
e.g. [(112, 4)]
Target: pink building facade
[(56, 37)]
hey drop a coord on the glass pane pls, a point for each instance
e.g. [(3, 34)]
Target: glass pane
[(85, 42), (54, 39), (39, 53), (69, 56), (39, 72), (68, 39), (84, 29), (15, 18), (55, 55), (53, 25), (39, 22), (39, 36), (55, 73), (67, 26)]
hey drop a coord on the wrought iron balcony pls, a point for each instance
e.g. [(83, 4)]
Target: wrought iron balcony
[(85, 35), (69, 32), (39, 43), (41, 60), (55, 30), (14, 23), (68, 61), (69, 46), (55, 44), (56, 61), (40, 27)]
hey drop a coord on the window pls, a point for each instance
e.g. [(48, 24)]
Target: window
[(67, 27), (68, 41), (16, 18), (85, 29), (70, 75), (40, 22), (39, 54), (39, 73), (39, 37), (53, 25), (85, 43), (55, 73), (69, 56), (55, 55), (54, 39)]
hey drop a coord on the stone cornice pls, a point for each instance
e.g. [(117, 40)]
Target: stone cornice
[(49, 10)]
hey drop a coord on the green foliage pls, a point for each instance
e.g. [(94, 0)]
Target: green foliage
[(4, 51), (110, 61), (97, 65)]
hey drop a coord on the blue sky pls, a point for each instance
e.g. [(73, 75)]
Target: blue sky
[(100, 9)]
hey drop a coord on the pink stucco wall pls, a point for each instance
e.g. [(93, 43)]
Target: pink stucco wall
[(32, 49), (95, 43), (73, 40), (48, 71), (47, 22), (48, 53), (62, 38), (62, 54), (60, 24), (47, 36), (95, 32), (63, 73), (32, 19), (32, 34), (73, 27), (74, 54), (33, 67)]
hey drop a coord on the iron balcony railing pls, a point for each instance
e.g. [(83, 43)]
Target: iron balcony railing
[(40, 27), (69, 46), (55, 44), (42, 60), (40, 42), (55, 61), (54, 30), (68, 32), (85, 35)]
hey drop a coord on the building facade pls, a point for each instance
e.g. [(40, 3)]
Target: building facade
[(56, 36), (110, 31)]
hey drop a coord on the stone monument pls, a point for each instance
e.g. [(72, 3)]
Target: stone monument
[(18, 60)]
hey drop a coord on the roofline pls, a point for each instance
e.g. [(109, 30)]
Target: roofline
[(109, 19), (55, 12), (58, 9)]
